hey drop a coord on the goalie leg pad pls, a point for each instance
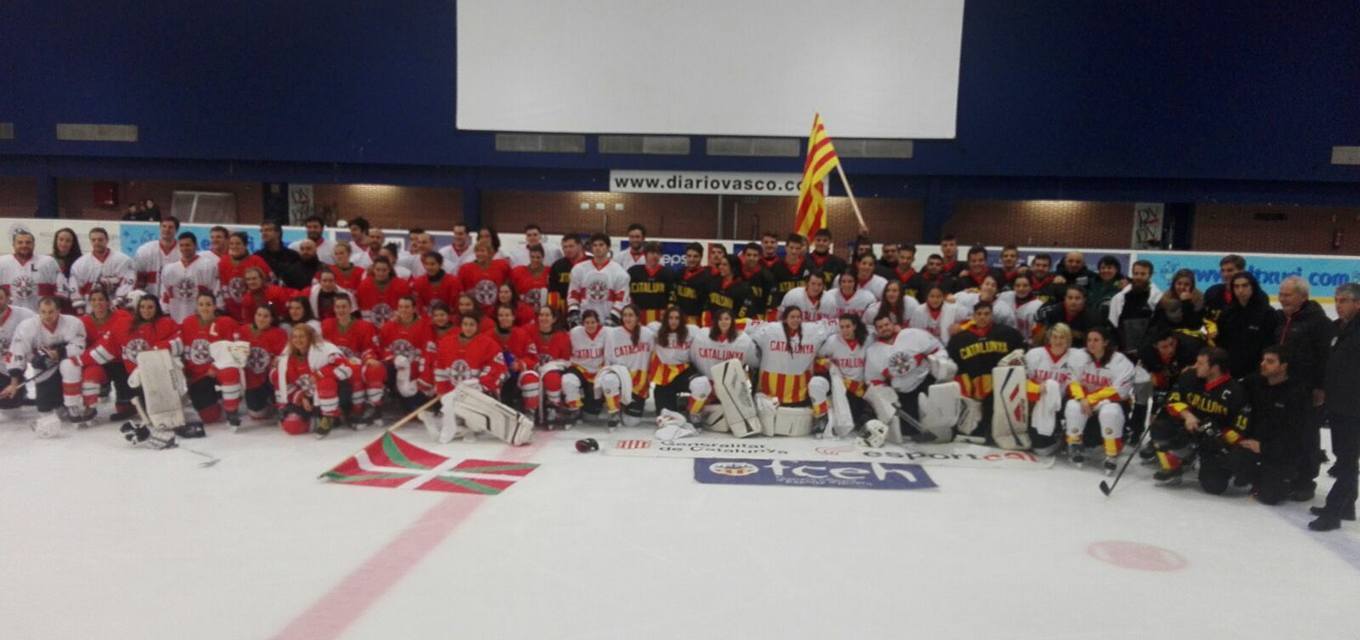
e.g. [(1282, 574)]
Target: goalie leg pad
[(163, 388), (793, 421), (733, 389), (1010, 407), (941, 409), (482, 413)]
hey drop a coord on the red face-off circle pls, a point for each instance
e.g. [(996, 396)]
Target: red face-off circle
[(1136, 555)]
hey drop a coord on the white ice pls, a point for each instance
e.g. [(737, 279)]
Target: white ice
[(100, 540)]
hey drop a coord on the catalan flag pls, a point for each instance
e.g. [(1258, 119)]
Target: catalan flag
[(821, 160)]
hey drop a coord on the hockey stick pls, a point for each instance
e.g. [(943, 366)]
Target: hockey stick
[(171, 443), (1107, 487)]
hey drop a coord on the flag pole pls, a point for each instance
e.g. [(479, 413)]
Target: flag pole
[(853, 204)]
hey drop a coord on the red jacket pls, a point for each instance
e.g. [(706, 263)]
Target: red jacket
[(379, 304), (264, 347), (196, 338), (477, 358), (161, 334), (482, 282), (359, 340), (446, 289)]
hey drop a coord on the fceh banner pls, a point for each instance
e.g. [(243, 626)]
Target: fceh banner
[(812, 473)]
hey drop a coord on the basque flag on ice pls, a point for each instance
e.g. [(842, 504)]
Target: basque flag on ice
[(394, 463)]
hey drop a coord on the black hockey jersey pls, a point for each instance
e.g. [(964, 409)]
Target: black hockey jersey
[(977, 352), (786, 278), (760, 284), (651, 290), (733, 295), (1219, 404), (691, 291), (829, 267), (559, 281)]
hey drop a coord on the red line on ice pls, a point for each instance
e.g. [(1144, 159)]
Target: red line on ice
[(345, 603)]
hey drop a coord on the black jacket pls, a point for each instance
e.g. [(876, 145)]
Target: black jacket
[(284, 263), (1308, 337), (1245, 331), (1343, 370), (1278, 417)]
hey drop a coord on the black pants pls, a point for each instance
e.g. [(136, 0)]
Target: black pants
[(665, 394), (260, 398), (1311, 441), (118, 376), (19, 396), (1346, 450), (49, 392), (203, 393)]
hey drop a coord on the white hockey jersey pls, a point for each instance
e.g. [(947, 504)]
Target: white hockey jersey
[(181, 283), (706, 352), (619, 348), (936, 322), (901, 363), (32, 335), (848, 358), (603, 289), (839, 305), (150, 261), (115, 273), (10, 320), (587, 351), (821, 310), (1041, 366), (29, 280), (874, 286), (454, 259), (627, 259), (909, 306), (1110, 381), (1002, 312), (674, 351), (1025, 312), (519, 256)]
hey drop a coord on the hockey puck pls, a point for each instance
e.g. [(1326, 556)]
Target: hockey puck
[(586, 445)]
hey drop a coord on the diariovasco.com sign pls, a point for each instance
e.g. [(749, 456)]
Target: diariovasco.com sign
[(710, 182)]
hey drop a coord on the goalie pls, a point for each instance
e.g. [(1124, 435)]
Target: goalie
[(709, 348), (901, 368), (979, 348)]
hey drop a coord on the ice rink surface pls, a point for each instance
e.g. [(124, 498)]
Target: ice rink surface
[(100, 540)]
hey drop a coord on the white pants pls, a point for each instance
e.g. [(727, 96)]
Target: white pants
[(1044, 414), (1109, 414)]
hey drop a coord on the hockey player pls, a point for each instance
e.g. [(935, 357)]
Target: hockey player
[(977, 349), (152, 257), (408, 350), (231, 276), (846, 349), (1043, 280), (52, 343), (183, 280), (599, 285), (266, 342), (897, 372), (323, 293), (937, 316), (1131, 309), (298, 311), (787, 351), (10, 319), (379, 292), (932, 276), (949, 257), (460, 252), (1101, 393), (816, 305), (348, 274), (212, 390), (1204, 413), (636, 253), (651, 285), (1072, 312), (987, 291), (867, 278), (905, 271), (307, 382), (520, 352), (28, 277), (728, 292), (101, 267), (469, 358), (441, 320), (1050, 369), (533, 242), (623, 382), (506, 297), (481, 277), (465, 306), (978, 270), (824, 263), (769, 249), (105, 329), (259, 293), (151, 329), (757, 279), (531, 280), (433, 284), (357, 340), (669, 371), (786, 275), (708, 347), (1026, 304), (553, 348), (693, 282), (559, 274), (849, 298), (896, 302), (1010, 266), (587, 360)]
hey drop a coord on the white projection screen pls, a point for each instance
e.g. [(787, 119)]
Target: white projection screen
[(873, 68)]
